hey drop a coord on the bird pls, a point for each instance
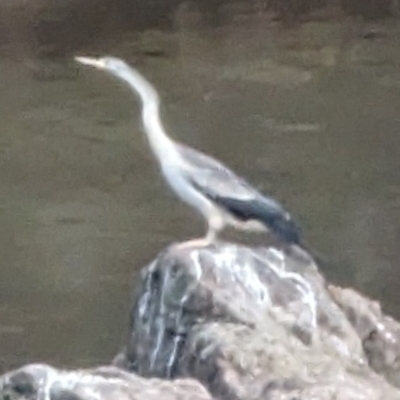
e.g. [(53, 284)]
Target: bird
[(221, 196)]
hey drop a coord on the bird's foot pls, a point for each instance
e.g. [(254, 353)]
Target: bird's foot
[(194, 243)]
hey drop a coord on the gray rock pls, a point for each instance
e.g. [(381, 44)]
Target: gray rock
[(379, 333), (42, 382), (248, 324)]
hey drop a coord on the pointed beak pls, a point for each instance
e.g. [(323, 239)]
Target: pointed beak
[(94, 62)]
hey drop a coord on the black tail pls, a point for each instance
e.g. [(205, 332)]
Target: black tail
[(266, 211), (275, 218)]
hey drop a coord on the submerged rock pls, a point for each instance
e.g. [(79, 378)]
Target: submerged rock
[(248, 324)]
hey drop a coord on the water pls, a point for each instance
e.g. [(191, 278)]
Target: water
[(308, 115)]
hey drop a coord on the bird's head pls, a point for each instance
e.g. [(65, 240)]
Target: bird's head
[(111, 64), (123, 71)]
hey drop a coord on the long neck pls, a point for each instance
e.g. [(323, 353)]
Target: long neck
[(160, 143)]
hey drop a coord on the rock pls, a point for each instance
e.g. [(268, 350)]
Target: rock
[(249, 323), (239, 323), (39, 381), (379, 333)]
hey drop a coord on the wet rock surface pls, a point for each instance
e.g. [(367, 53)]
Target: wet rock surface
[(379, 333), (40, 381), (248, 324), (235, 322)]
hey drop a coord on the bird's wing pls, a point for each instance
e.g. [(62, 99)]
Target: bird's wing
[(212, 176), (218, 183)]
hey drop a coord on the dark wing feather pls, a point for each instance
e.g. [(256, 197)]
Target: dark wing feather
[(276, 219), (206, 172), (235, 195)]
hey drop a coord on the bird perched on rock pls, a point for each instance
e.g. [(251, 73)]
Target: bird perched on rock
[(217, 193)]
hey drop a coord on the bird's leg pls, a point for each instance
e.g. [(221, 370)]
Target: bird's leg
[(215, 224), (211, 235), (198, 242)]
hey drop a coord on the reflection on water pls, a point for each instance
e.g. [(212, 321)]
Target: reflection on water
[(311, 120)]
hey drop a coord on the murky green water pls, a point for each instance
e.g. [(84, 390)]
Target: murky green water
[(310, 116)]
